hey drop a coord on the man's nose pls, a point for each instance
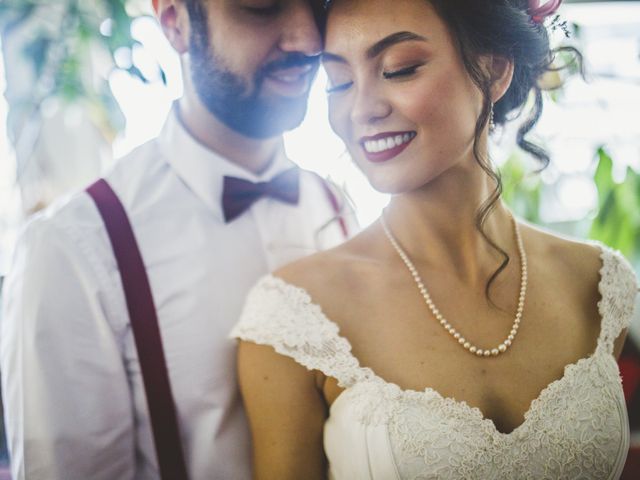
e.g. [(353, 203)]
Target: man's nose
[(301, 32)]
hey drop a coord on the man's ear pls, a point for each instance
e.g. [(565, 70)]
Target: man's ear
[(174, 20), (501, 72)]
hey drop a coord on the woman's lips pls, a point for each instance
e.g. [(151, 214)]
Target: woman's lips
[(385, 146)]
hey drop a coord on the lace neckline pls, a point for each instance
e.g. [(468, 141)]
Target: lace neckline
[(487, 424), (363, 374)]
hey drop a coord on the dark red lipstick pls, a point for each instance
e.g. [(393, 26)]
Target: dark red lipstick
[(385, 146)]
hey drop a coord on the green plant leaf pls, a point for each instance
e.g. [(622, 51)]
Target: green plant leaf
[(603, 177)]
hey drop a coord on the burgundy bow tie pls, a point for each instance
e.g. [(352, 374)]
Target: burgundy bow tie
[(238, 194)]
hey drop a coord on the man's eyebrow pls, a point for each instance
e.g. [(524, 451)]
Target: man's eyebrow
[(391, 40)]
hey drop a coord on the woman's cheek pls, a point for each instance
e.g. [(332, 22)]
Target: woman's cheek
[(339, 117), (417, 102)]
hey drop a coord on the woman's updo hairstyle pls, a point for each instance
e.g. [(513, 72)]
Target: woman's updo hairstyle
[(506, 28)]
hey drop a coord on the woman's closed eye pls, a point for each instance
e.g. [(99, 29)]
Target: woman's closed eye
[(338, 79), (399, 73), (338, 87), (402, 72)]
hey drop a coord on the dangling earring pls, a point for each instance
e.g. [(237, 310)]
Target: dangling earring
[(492, 123)]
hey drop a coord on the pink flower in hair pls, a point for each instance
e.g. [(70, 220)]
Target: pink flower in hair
[(540, 12)]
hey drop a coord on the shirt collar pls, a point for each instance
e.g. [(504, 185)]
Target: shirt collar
[(202, 169)]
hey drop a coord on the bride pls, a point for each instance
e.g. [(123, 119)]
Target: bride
[(449, 340)]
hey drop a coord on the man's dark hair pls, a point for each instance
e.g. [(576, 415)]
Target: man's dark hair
[(198, 17)]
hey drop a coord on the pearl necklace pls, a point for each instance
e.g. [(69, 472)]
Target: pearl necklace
[(504, 346)]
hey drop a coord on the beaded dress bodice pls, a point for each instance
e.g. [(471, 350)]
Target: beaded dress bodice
[(576, 428)]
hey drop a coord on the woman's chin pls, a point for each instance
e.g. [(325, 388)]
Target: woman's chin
[(391, 186)]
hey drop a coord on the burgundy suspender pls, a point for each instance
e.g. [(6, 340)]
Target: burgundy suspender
[(144, 325), (335, 205)]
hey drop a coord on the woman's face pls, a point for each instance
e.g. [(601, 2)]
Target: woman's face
[(399, 95)]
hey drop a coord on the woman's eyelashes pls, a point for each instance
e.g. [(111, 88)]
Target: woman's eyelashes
[(340, 87), (401, 73)]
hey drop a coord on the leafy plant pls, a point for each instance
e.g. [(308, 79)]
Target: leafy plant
[(88, 30), (618, 220), (522, 190)]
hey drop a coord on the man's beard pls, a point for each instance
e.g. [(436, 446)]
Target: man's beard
[(229, 97)]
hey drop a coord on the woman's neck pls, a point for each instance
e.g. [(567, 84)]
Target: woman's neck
[(437, 225)]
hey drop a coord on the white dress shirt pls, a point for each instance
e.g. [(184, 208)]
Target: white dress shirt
[(75, 405)]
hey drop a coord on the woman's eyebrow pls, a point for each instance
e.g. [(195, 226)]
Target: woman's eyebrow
[(332, 57), (378, 47), (388, 41)]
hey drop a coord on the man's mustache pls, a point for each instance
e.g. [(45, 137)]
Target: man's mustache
[(292, 60)]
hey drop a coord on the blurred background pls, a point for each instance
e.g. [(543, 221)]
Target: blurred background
[(87, 81)]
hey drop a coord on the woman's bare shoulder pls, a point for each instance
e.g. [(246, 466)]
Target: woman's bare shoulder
[(578, 259), (330, 275), (571, 265)]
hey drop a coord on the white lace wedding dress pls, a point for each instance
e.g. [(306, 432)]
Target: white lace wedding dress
[(577, 427)]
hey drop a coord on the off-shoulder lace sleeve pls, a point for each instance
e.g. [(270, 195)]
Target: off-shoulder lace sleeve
[(283, 316), (618, 289)]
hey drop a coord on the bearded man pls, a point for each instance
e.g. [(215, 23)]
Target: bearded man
[(116, 362)]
